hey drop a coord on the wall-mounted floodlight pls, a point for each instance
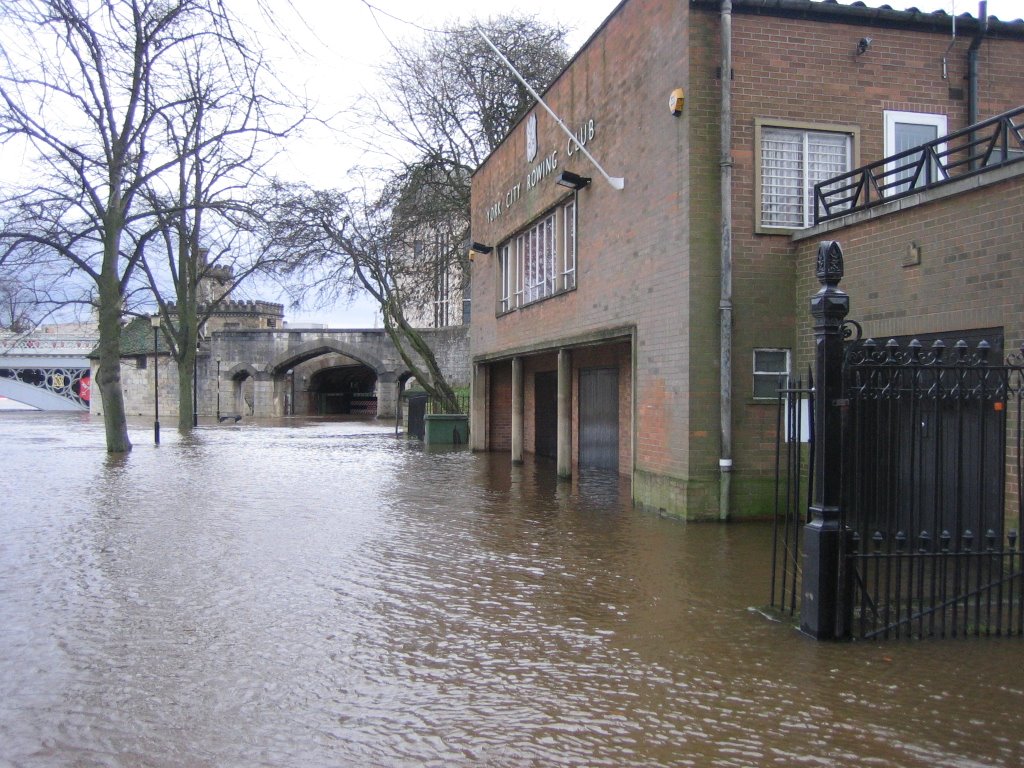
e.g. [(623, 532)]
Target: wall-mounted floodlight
[(863, 44), (572, 180), (475, 248)]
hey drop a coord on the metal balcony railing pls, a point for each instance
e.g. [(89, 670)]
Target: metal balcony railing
[(995, 142)]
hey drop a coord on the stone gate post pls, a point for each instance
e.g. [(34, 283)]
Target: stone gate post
[(823, 609)]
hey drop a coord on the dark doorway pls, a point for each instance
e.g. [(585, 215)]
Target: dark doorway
[(347, 389), (545, 431), (599, 418)]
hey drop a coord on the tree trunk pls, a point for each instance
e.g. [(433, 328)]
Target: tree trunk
[(186, 369), (186, 334), (109, 374)]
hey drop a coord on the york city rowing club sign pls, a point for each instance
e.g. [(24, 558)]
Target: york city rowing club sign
[(542, 168)]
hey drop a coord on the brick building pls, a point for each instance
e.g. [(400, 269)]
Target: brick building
[(601, 314)]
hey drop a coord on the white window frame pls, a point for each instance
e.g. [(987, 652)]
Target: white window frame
[(762, 375), (807, 182), (892, 117), (540, 261), (569, 245)]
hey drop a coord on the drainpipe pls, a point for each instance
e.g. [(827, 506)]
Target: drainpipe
[(725, 296), (972, 70)]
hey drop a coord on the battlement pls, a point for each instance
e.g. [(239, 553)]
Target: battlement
[(242, 307)]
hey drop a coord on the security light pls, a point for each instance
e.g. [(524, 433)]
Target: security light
[(572, 180)]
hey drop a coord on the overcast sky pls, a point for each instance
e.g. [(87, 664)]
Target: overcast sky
[(345, 41)]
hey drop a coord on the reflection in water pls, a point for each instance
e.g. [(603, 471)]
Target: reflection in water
[(324, 594)]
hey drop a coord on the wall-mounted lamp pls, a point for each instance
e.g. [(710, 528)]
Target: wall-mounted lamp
[(475, 248), (675, 102), (863, 44), (572, 180)]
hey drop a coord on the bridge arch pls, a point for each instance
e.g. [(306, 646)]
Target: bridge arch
[(329, 376), (317, 348)]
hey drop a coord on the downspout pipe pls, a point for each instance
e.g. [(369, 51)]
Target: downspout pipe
[(973, 53), (725, 295)]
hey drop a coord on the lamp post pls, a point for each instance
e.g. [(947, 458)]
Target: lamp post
[(218, 390), (155, 322)]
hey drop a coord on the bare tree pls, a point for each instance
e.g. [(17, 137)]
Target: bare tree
[(88, 89), (332, 239), (447, 103), (207, 209)]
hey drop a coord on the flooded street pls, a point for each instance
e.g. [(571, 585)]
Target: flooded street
[(326, 594)]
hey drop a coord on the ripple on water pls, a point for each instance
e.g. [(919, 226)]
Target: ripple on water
[(326, 594)]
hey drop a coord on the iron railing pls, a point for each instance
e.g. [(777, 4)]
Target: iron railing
[(436, 406), (932, 490), (793, 476), (937, 586), (994, 142)]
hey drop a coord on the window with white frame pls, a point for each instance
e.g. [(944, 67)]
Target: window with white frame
[(904, 131), (540, 261), (771, 371), (509, 270), (569, 245), (791, 161)]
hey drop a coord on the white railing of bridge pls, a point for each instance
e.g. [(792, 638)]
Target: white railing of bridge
[(47, 344)]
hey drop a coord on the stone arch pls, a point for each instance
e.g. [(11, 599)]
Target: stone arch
[(243, 391), (319, 347), (295, 392)]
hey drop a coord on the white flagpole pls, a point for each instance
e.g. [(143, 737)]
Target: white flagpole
[(617, 182)]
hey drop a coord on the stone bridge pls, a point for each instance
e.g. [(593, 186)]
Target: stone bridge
[(278, 372)]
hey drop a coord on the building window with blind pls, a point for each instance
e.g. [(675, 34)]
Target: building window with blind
[(538, 262), (791, 159)]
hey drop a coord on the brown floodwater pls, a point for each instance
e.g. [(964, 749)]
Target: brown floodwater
[(328, 594)]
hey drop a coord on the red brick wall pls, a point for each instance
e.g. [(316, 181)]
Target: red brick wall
[(632, 266), (499, 420), (970, 276), (648, 256), (807, 70)]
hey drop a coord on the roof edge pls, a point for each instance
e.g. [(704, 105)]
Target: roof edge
[(858, 13)]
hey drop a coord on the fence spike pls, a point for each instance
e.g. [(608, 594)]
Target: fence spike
[(924, 540)]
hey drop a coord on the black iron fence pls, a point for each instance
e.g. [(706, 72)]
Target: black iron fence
[(993, 142), (793, 473), (931, 489), (907, 487), (937, 586)]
